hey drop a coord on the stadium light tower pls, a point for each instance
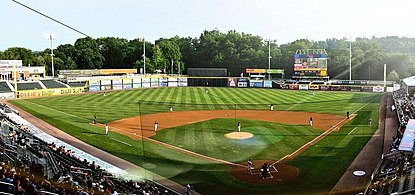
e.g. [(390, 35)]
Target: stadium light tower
[(269, 56), (350, 59), (144, 54), (51, 37)]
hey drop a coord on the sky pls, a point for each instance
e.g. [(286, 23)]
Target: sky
[(283, 21)]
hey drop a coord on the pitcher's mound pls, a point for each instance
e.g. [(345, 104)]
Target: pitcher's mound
[(239, 135)]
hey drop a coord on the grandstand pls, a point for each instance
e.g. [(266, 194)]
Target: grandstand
[(29, 86), (79, 84), (29, 165), (4, 87), (395, 173), (50, 83)]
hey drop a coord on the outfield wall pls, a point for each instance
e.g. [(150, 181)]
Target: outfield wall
[(49, 92), (122, 83)]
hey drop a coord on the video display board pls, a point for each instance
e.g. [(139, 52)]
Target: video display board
[(310, 65)]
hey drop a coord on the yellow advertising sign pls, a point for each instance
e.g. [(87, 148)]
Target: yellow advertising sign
[(251, 70), (49, 92)]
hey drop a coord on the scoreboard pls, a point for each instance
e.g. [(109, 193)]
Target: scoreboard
[(310, 64)]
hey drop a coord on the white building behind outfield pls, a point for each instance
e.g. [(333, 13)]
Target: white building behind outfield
[(8, 67)]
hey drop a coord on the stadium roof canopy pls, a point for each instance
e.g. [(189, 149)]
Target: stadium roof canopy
[(410, 81)]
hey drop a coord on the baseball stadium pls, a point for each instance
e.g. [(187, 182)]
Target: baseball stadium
[(208, 113), (181, 131)]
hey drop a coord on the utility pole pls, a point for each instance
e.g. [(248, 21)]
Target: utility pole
[(144, 54)]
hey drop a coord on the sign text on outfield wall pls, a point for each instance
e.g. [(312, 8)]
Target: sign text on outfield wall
[(49, 92), (271, 71)]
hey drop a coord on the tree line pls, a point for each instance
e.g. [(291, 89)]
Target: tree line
[(232, 50)]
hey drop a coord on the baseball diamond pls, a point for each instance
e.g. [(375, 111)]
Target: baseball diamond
[(191, 143)]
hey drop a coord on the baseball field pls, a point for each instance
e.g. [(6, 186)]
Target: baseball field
[(198, 142)]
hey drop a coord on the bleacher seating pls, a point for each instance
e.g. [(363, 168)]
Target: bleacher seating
[(80, 84), (52, 84), (395, 173), (29, 86), (4, 88), (44, 168)]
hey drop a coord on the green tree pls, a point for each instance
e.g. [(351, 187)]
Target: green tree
[(171, 52), (114, 50), (19, 53), (393, 76), (88, 54), (158, 59)]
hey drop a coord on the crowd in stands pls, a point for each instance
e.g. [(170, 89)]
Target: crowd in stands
[(395, 172), (29, 165)]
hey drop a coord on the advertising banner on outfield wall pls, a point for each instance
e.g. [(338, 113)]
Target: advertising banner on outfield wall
[(137, 80), (242, 82), (93, 88), (313, 87), (255, 83), (303, 87), (94, 82), (52, 92), (145, 80), (232, 82), (324, 87), (164, 84), (145, 85), (378, 89), (172, 79), (154, 84), (127, 86), (182, 82), (105, 82), (116, 87), (127, 81), (293, 86), (136, 85), (173, 84), (155, 80), (116, 82), (106, 87), (267, 84)]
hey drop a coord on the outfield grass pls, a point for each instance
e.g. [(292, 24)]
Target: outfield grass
[(321, 165)]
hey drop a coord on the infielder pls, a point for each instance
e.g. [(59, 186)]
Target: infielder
[(239, 126), (311, 121), (156, 123), (106, 129), (171, 109), (271, 107), (250, 167)]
